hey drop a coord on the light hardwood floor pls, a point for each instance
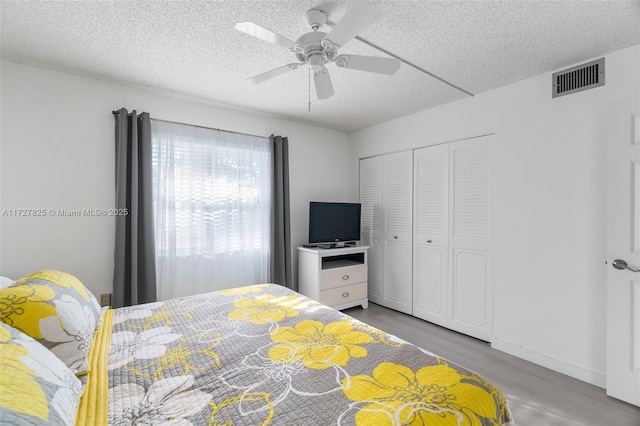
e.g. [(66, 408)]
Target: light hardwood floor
[(537, 396)]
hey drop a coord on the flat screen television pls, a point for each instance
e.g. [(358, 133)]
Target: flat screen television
[(333, 223)]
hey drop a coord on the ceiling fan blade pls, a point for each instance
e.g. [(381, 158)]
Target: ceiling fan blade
[(273, 73), (353, 23), (369, 63), (324, 87), (264, 34)]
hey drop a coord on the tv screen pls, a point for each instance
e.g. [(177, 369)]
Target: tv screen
[(331, 223)]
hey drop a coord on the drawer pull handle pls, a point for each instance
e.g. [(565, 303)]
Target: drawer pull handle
[(345, 294), (345, 277)]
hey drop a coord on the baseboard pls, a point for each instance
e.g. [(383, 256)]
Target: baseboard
[(589, 376)]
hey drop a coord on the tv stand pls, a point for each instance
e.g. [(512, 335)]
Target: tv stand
[(335, 276)]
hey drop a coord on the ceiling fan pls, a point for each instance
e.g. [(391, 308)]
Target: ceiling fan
[(317, 48)]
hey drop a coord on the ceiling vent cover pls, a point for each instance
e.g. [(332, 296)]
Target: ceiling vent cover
[(577, 79)]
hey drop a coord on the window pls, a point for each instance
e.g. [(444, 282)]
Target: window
[(212, 208)]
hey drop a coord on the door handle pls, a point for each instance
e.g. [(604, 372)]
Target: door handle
[(621, 264)]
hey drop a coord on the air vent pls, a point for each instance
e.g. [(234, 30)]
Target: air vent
[(577, 79)]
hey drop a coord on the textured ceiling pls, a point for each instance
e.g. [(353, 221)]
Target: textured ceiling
[(191, 48)]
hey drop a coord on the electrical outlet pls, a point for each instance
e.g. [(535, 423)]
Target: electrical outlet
[(105, 299)]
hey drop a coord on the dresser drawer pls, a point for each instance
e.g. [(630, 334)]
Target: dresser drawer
[(338, 277), (339, 295)]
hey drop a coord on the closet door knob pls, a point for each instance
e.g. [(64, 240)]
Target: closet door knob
[(345, 294), (345, 277)]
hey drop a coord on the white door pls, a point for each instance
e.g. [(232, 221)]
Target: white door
[(371, 224), (623, 246), (470, 237), (397, 194), (430, 233)]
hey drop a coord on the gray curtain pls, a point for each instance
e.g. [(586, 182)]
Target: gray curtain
[(134, 275), (280, 227)]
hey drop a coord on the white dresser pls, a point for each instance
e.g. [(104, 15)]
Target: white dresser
[(336, 277)]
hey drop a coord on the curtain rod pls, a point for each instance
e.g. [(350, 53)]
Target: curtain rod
[(202, 127), (209, 128)]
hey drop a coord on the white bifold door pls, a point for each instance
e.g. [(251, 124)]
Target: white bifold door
[(386, 198), (431, 234), (452, 236)]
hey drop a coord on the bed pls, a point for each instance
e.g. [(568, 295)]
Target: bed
[(255, 355)]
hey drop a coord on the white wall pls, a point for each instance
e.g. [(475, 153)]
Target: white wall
[(549, 215), (57, 145)]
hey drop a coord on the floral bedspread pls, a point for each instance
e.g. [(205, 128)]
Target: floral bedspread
[(264, 355)]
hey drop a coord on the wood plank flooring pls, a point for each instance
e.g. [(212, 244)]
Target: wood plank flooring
[(537, 396)]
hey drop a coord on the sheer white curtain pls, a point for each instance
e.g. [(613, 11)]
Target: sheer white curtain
[(212, 208)]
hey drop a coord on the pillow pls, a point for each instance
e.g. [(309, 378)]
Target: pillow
[(6, 282), (37, 388), (55, 309)]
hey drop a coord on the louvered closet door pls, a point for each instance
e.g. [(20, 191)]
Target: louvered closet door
[(396, 261), (470, 237), (371, 225), (431, 233)]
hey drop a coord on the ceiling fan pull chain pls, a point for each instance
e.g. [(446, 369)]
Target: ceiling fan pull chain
[(309, 89)]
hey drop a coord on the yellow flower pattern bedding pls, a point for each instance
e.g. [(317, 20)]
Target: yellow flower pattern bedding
[(264, 355)]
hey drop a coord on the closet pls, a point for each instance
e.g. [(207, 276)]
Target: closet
[(386, 197), (428, 213)]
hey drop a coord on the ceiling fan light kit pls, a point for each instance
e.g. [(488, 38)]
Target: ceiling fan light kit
[(316, 48)]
